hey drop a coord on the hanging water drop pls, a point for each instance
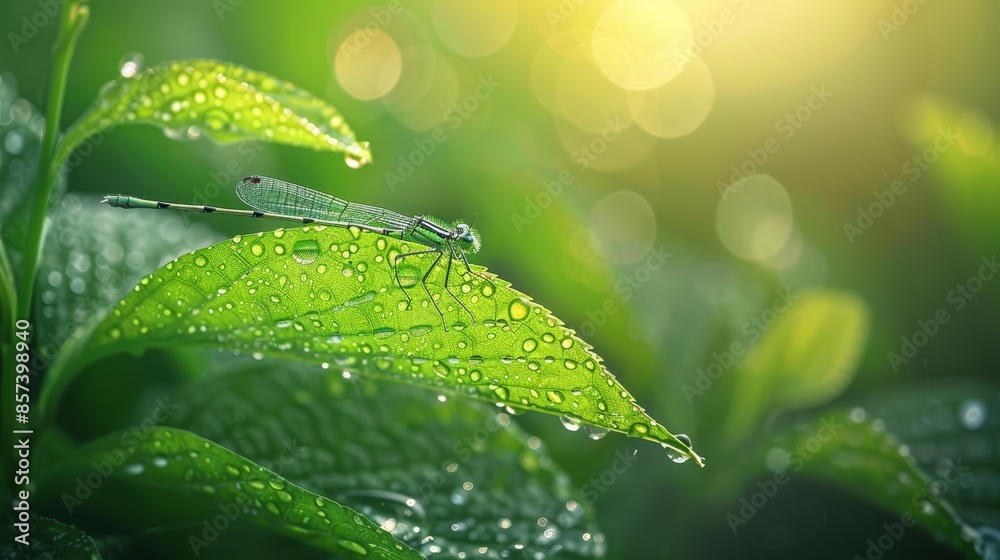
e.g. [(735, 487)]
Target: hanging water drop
[(683, 438), (131, 64), (595, 433), (571, 423)]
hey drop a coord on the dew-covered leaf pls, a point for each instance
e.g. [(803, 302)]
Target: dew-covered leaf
[(330, 295), (225, 102), (49, 538), (91, 258), (952, 422), (853, 451), (807, 357), (453, 479), (184, 463)]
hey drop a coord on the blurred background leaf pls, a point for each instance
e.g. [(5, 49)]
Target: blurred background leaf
[(435, 472)]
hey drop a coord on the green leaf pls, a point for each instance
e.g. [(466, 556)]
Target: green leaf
[(446, 478), (806, 358), (92, 257), (226, 102), (184, 463), (964, 162), (330, 296), (951, 420), (49, 538), (855, 452)]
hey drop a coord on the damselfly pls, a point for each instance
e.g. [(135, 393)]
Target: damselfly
[(274, 198)]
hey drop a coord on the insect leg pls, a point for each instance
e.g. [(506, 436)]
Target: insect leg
[(447, 275), (399, 259)]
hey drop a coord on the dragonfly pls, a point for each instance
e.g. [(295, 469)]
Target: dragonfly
[(274, 198)]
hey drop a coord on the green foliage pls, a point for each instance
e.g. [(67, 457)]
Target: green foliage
[(966, 162), (806, 358), (93, 256), (50, 539), (330, 296), (438, 475), (225, 101), (185, 463), (856, 453)]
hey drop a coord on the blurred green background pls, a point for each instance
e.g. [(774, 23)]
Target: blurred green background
[(471, 108)]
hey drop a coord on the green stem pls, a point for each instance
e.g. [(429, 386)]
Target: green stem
[(74, 17)]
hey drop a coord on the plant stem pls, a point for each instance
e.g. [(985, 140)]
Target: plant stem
[(74, 17)]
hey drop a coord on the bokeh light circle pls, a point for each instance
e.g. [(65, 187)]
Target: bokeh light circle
[(641, 44), (624, 226), (474, 29), (678, 107), (754, 218), (368, 64)]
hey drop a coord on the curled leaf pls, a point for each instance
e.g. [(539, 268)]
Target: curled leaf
[(225, 102)]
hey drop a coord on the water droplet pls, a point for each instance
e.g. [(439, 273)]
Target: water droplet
[(529, 345), (408, 275), (134, 468), (594, 432), (352, 546), (257, 249), (305, 251), (683, 438), (639, 429), (131, 65), (355, 156), (440, 368), (571, 423), (676, 455), (502, 393), (554, 396), (972, 414), (518, 310)]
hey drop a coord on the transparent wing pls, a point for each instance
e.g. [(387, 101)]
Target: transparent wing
[(267, 194)]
